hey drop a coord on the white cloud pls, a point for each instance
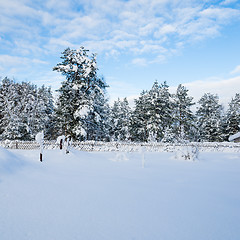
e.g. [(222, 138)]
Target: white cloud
[(158, 28), (166, 29), (236, 70), (226, 2), (8, 61), (15, 66), (114, 25), (119, 89), (139, 61), (38, 61), (224, 88), (52, 79)]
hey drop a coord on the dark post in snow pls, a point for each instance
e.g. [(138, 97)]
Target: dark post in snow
[(68, 143), (39, 139), (61, 144), (60, 141)]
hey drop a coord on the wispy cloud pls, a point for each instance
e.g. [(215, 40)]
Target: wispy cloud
[(14, 66), (236, 70), (34, 33), (222, 87), (114, 25), (227, 2), (139, 61)]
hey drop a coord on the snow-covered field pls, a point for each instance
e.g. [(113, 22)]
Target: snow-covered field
[(109, 195)]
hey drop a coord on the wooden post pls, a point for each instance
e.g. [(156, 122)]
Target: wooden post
[(39, 138), (61, 144), (41, 151)]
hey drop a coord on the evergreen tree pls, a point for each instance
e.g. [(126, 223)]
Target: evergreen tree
[(81, 95), (10, 123), (125, 115), (25, 110), (114, 121), (210, 119), (232, 120), (120, 120), (184, 119), (97, 120), (139, 119), (160, 111), (44, 112), (152, 115)]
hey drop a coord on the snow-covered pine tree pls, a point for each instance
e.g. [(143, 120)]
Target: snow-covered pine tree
[(120, 120), (139, 119), (44, 112), (210, 118), (232, 119), (152, 115), (79, 94), (114, 129), (154, 121), (125, 115), (184, 119), (11, 125), (160, 110), (27, 107), (25, 110), (97, 119)]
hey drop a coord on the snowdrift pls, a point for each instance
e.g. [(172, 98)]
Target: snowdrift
[(119, 195), (9, 162)]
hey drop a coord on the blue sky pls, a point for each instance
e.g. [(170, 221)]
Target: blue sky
[(195, 43)]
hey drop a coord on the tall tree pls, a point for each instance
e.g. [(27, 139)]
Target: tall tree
[(210, 118), (11, 125), (25, 110), (139, 119), (79, 94), (184, 119), (152, 115), (232, 121), (160, 111), (120, 120)]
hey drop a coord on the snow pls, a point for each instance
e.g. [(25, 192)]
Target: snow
[(233, 137), (39, 137), (9, 162), (109, 195), (83, 111), (59, 138)]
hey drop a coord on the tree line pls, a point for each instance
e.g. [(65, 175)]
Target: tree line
[(82, 109)]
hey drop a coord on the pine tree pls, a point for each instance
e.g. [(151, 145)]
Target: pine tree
[(120, 120), (139, 119), (232, 120), (125, 115), (97, 120), (25, 110), (152, 115), (184, 119), (160, 110), (114, 121), (11, 124), (80, 94), (210, 120)]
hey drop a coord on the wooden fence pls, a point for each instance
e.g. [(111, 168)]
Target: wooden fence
[(122, 146)]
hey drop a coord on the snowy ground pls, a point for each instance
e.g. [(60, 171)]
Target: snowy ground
[(93, 196)]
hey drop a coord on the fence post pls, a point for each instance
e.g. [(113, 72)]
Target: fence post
[(39, 138), (61, 144)]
